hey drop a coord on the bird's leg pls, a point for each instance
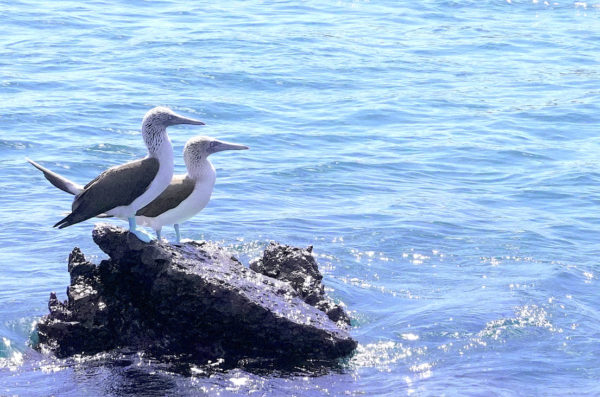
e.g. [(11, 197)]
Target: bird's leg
[(143, 236), (177, 234), (158, 233)]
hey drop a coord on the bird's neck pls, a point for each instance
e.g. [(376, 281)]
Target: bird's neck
[(200, 170), (158, 143)]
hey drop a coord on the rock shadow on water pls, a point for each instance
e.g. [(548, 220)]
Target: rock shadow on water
[(197, 309)]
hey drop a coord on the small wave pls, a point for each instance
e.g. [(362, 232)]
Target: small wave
[(10, 357), (526, 317)]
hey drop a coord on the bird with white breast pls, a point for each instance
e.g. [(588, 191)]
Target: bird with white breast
[(187, 194), (122, 190)]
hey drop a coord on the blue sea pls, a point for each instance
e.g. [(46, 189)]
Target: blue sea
[(440, 156)]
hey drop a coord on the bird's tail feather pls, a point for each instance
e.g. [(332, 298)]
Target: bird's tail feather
[(66, 221), (57, 180)]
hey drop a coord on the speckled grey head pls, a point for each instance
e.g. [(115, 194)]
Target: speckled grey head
[(155, 123), (200, 147), (163, 117)]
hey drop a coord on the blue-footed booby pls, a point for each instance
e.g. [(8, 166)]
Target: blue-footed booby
[(187, 194), (122, 190)]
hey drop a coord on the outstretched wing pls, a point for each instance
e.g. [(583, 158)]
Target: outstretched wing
[(115, 187), (178, 190)]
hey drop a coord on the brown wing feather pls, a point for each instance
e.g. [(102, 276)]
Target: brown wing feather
[(178, 190), (115, 187)]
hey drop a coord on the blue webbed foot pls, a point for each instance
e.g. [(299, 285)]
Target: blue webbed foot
[(142, 235)]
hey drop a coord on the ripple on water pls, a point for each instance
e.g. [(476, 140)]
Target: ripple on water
[(10, 145)]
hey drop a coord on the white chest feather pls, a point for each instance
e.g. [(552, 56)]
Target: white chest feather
[(194, 203)]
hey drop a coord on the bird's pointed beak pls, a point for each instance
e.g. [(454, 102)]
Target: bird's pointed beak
[(221, 146), (177, 119)]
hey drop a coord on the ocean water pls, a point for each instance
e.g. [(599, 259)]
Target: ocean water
[(441, 156)]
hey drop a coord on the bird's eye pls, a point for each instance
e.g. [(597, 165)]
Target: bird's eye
[(213, 144)]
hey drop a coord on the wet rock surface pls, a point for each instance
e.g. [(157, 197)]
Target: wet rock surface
[(298, 267), (197, 302)]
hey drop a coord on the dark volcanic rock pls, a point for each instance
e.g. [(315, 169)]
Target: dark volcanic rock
[(194, 301), (298, 267)]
